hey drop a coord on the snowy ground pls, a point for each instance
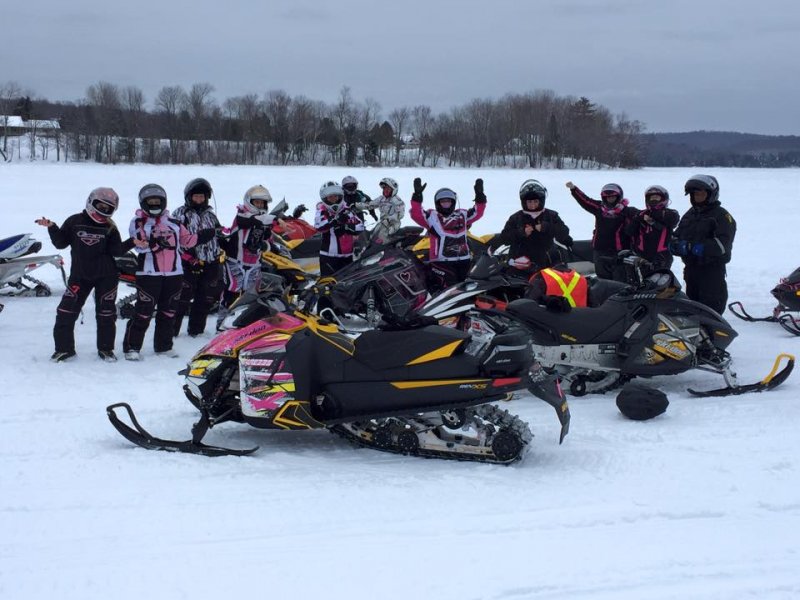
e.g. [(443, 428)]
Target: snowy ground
[(703, 502)]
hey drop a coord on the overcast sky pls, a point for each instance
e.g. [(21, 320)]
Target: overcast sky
[(676, 65)]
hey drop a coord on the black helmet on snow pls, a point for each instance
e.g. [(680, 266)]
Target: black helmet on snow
[(146, 199), (641, 402), (197, 186), (707, 183), (532, 190)]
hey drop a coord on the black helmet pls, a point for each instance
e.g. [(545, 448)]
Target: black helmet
[(611, 190), (445, 194), (532, 190), (641, 402), (706, 183), (153, 190), (197, 186)]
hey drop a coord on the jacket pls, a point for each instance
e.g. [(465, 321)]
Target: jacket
[(93, 246)]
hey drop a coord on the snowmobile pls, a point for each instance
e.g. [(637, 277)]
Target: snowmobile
[(16, 262), (424, 391), (787, 293), (293, 228), (642, 331)]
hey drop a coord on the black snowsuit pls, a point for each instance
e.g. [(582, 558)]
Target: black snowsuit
[(609, 235), (708, 231), (93, 247), (538, 244), (651, 241)]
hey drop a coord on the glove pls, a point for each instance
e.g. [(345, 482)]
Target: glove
[(480, 197), (419, 187), (299, 210), (698, 249), (557, 304), (680, 247)]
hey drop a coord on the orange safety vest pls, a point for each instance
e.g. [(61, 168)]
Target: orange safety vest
[(575, 291)]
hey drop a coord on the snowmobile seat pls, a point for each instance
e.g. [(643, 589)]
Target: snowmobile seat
[(381, 350), (604, 324)]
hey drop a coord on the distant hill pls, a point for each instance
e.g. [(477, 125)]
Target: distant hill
[(719, 149)]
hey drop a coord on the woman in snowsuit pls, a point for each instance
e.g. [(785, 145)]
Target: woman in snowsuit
[(611, 216), (202, 269), (391, 209), (94, 241), (339, 226), (651, 229), (449, 256), (159, 242), (249, 236), (530, 232), (704, 241)]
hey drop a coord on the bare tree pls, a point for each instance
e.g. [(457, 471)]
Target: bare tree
[(10, 92), (399, 119), (168, 102), (277, 107), (132, 99), (199, 104), (105, 101)]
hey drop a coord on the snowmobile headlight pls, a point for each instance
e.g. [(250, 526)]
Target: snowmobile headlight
[(199, 368)]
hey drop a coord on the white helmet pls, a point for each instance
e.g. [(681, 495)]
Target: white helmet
[(349, 184), (390, 183), (257, 192), (331, 188)]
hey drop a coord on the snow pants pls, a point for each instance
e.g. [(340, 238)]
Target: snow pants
[(153, 293), (105, 311), (201, 288), (706, 284)]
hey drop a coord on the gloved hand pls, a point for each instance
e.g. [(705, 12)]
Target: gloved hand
[(299, 210), (480, 197), (698, 249), (557, 304), (680, 247), (419, 187)]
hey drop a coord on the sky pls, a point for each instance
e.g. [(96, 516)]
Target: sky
[(682, 65)]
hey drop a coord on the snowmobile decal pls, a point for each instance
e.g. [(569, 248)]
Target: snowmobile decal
[(443, 352), (408, 385)]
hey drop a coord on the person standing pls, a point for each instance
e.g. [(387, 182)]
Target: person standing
[(704, 240), (202, 268), (159, 242), (651, 229), (339, 226), (94, 241), (611, 217), (391, 209), (530, 232), (449, 256)]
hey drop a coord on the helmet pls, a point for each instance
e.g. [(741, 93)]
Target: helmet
[(611, 190), (708, 183), (349, 184), (532, 190), (653, 190), (390, 183), (331, 188), (153, 190), (641, 402), (101, 204), (257, 192), (197, 186), (445, 194)]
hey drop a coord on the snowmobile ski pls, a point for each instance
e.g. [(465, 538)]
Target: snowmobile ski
[(739, 311), (775, 377), (144, 439)]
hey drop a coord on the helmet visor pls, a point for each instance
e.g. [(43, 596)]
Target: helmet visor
[(350, 187), (104, 208)]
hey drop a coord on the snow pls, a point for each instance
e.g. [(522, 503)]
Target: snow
[(702, 502)]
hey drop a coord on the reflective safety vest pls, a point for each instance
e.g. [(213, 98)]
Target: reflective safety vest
[(569, 284)]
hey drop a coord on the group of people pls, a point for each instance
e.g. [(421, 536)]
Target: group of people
[(187, 261)]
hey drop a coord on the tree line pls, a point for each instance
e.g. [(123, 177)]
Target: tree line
[(114, 124)]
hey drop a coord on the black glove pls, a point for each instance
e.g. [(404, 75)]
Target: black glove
[(557, 304), (419, 187), (299, 210), (206, 235), (373, 214), (480, 197)]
